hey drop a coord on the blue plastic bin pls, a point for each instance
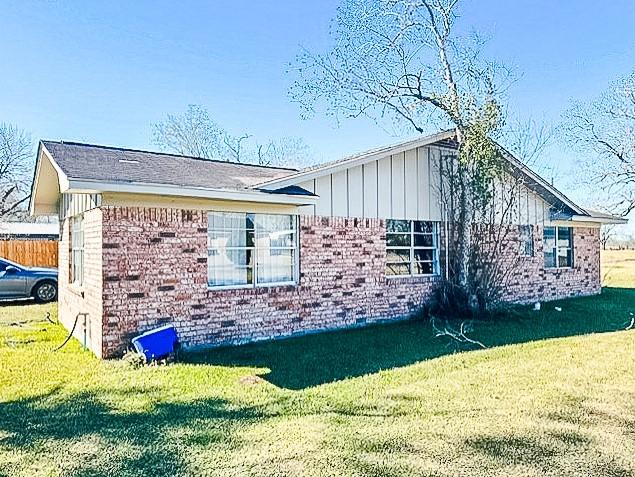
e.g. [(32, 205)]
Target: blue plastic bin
[(157, 343)]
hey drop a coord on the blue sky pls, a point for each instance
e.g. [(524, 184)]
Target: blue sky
[(104, 71)]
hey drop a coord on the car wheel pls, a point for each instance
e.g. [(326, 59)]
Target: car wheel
[(45, 292)]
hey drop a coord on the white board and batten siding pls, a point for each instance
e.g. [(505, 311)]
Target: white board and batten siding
[(399, 186), (74, 204)]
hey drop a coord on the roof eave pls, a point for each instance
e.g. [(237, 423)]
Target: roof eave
[(36, 209), (34, 181), (246, 195), (541, 182), (599, 220), (355, 160)]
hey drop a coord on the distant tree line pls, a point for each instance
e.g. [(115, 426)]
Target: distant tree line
[(16, 171), (195, 133)]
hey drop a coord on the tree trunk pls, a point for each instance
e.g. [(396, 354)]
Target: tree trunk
[(465, 242), (464, 230)]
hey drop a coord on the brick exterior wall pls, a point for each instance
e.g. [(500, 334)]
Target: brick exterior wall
[(152, 269), (89, 297), (155, 272), (531, 282)]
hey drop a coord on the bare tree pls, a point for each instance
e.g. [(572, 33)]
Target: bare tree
[(194, 133), (607, 233), (527, 141), (286, 151), (235, 147), (604, 129), (16, 156), (403, 60)]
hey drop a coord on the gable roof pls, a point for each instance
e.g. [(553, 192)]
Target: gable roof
[(357, 159), (87, 168), (113, 164), (84, 167), (447, 139)]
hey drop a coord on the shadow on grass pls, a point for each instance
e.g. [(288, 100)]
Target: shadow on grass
[(311, 360), (565, 447), (564, 443), (102, 441)]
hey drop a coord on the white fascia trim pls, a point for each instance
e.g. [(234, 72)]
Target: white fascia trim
[(533, 175), (355, 160), (599, 220), (36, 176), (91, 186), (62, 181)]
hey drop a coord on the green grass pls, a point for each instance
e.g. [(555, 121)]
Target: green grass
[(618, 268), (553, 395)]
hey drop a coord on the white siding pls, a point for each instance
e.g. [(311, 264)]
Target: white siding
[(538, 209), (355, 192), (370, 189), (384, 191), (423, 182), (405, 185), (412, 192), (74, 204), (523, 206), (323, 189), (398, 187), (434, 155), (307, 209), (339, 182)]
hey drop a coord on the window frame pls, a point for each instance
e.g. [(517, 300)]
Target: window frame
[(526, 241), (77, 235), (412, 247), (556, 248), (295, 255)]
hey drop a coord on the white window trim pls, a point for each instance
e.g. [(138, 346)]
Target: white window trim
[(255, 284), (73, 279), (556, 248), (436, 264), (523, 243)]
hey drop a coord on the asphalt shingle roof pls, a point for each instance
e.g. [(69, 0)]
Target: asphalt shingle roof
[(112, 164)]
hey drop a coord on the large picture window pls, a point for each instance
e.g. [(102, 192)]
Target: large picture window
[(77, 250), (558, 247), (412, 248), (251, 249)]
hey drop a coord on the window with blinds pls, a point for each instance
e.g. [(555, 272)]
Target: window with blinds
[(246, 249)]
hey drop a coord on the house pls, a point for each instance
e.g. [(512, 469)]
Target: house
[(231, 253)]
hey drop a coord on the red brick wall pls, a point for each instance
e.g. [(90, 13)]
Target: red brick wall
[(155, 272), (532, 282), (87, 298), (152, 269)]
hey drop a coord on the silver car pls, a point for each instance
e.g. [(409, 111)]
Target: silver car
[(19, 281)]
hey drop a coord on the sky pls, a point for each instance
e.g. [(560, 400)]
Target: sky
[(103, 72)]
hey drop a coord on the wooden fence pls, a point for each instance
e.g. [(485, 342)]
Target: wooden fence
[(36, 253)]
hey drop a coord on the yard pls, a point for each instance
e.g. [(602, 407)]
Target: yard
[(618, 268), (553, 395)]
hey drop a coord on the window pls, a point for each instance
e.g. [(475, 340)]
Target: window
[(526, 237), (558, 247), (250, 249), (411, 248), (77, 250)]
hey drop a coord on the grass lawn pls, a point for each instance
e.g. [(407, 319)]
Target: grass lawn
[(618, 268), (553, 395)]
